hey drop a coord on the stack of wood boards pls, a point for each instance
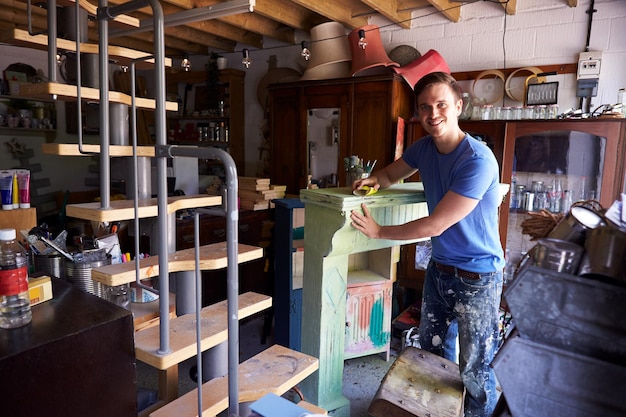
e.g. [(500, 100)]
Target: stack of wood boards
[(257, 193)]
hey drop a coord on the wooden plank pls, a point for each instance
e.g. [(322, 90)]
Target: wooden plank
[(71, 149), (275, 370), (45, 91), (124, 209), (20, 37), (419, 383), (214, 330), (212, 257)]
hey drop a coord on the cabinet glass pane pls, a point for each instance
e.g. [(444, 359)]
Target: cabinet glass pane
[(551, 170), (323, 142)]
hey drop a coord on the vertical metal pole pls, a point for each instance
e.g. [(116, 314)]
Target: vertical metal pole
[(105, 163), (161, 163), (52, 41), (232, 248)]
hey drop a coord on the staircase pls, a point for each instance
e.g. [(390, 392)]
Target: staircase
[(161, 340)]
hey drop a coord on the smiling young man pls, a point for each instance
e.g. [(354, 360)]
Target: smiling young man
[(464, 278)]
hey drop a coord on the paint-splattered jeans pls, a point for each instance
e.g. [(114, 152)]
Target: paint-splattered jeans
[(474, 304)]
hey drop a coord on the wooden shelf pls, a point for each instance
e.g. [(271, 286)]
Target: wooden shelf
[(66, 92), (124, 209), (183, 331), (71, 149), (20, 37), (26, 131), (212, 257)]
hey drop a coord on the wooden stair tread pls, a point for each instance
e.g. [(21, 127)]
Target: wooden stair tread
[(71, 149), (125, 210), (21, 37), (212, 257), (183, 331), (275, 370), (44, 91)]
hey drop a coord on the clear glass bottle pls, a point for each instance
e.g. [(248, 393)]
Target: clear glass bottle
[(466, 112), (14, 298), (567, 200)]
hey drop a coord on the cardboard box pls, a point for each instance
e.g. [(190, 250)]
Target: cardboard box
[(39, 289)]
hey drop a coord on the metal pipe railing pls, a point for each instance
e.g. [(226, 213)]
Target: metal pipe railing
[(232, 247), (162, 152)]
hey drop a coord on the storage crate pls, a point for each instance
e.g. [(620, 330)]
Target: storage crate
[(573, 313), (543, 381)]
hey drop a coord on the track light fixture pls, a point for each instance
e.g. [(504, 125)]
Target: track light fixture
[(362, 40), (306, 53), (246, 58)]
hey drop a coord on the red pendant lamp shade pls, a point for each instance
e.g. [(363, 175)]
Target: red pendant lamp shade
[(431, 61), (373, 55)]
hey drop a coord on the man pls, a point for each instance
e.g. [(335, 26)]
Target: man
[(464, 277)]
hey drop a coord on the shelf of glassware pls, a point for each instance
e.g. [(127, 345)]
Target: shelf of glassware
[(555, 164)]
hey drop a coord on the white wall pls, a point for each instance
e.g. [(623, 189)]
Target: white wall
[(63, 172), (542, 32)]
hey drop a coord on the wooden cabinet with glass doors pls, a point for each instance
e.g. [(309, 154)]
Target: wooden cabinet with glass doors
[(554, 160), (314, 125)]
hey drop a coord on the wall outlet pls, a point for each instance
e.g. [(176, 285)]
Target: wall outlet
[(589, 65)]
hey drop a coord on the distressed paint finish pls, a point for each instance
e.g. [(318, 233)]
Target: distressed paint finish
[(329, 240), (368, 319)]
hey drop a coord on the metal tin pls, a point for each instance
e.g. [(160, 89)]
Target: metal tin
[(529, 200)]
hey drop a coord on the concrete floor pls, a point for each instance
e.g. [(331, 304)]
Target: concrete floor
[(361, 377)]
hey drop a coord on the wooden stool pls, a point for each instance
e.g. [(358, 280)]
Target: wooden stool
[(419, 384)]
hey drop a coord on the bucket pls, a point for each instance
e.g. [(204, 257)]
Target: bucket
[(79, 274), (574, 226), (557, 255), (51, 265), (605, 253)]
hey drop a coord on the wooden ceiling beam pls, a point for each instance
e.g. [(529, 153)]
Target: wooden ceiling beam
[(451, 10), (510, 6), (389, 9), (289, 14), (253, 24), (335, 11)]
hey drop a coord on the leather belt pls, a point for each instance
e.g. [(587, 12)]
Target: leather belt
[(450, 270)]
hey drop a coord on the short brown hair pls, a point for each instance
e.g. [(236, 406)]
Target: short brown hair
[(437, 78)]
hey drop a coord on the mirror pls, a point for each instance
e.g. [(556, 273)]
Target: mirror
[(323, 146)]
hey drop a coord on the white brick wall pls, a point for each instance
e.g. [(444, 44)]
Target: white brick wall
[(542, 32)]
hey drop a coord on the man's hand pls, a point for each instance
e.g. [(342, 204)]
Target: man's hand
[(365, 223)]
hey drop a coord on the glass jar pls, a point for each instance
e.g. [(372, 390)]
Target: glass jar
[(528, 113), (517, 113), (541, 112), (553, 111), (506, 113), (497, 113), (486, 112)]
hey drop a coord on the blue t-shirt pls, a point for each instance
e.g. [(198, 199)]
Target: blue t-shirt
[(471, 170)]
